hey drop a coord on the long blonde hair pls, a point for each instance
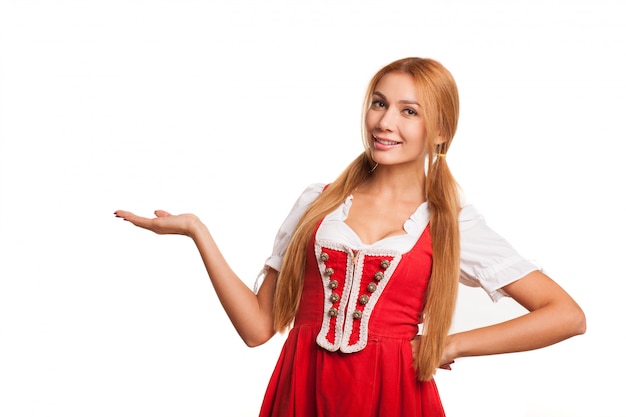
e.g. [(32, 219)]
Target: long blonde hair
[(439, 95)]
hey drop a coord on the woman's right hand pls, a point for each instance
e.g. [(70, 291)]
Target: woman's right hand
[(164, 223)]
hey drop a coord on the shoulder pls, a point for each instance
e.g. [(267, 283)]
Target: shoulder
[(469, 215), (310, 193), (286, 230)]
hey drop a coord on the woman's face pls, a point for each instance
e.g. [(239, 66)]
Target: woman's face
[(395, 122)]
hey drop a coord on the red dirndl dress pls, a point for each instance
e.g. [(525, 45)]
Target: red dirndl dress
[(349, 352)]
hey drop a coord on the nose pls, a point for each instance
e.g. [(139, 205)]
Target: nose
[(386, 120)]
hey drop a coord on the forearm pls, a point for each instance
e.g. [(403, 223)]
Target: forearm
[(250, 313), (540, 328)]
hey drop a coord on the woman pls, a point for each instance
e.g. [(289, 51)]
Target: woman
[(365, 270)]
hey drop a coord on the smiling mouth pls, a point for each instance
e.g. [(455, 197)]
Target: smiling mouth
[(385, 141)]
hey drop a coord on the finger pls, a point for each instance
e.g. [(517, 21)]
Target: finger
[(138, 221), (161, 213), (123, 214), (446, 366)]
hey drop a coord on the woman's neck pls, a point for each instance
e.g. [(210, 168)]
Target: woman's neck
[(395, 183)]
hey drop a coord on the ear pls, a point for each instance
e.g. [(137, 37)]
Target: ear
[(441, 145)]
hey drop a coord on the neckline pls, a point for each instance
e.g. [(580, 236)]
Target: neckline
[(410, 225)]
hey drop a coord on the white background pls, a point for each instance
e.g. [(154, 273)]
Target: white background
[(228, 110)]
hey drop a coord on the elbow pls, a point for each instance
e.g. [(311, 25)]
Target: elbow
[(257, 339), (581, 320), (252, 343), (577, 321)]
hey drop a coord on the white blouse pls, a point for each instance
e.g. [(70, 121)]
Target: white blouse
[(487, 260)]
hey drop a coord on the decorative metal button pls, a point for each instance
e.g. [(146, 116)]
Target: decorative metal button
[(329, 271), (333, 312), (332, 284), (378, 276), (334, 298), (371, 287), (364, 299), (357, 314), (384, 264), (323, 256)]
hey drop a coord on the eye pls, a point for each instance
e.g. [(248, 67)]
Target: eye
[(378, 104), (410, 112)]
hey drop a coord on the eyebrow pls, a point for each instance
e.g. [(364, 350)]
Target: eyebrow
[(381, 95)]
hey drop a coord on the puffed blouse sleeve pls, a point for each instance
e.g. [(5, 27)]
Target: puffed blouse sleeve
[(289, 224), (487, 259)]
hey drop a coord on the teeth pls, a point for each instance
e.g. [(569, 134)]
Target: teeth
[(385, 142)]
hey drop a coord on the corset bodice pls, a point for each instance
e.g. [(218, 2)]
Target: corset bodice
[(355, 295)]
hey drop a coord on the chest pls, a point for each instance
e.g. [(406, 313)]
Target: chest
[(374, 220)]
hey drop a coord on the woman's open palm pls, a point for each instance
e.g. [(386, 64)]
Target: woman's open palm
[(163, 224)]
